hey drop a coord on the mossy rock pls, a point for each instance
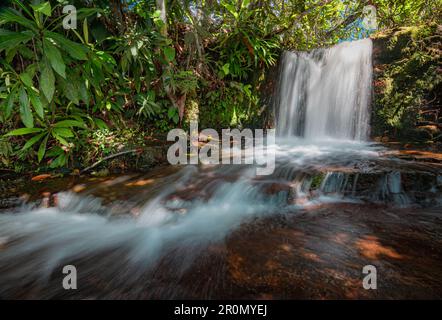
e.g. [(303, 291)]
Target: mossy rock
[(418, 135), (407, 83)]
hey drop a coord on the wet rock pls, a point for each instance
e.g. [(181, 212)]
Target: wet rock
[(9, 203), (101, 173)]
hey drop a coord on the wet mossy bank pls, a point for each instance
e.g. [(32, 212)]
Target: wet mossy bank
[(407, 89)]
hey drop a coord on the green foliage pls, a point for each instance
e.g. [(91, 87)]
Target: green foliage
[(394, 13), (409, 83), (5, 152), (45, 75), (231, 106), (244, 47), (129, 65), (105, 142), (147, 105)]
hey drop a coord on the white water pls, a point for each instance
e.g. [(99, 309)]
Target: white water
[(326, 93), (34, 242), (329, 86)]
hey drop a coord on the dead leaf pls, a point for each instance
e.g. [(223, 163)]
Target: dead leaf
[(41, 177)]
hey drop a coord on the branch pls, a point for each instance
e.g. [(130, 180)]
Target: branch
[(349, 20), (107, 158)]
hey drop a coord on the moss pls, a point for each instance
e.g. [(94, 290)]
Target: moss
[(192, 111), (407, 82), (317, 181)]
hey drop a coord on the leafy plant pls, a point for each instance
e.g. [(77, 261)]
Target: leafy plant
[(147, 105), (45, 76), (245, 47), (60, 131)]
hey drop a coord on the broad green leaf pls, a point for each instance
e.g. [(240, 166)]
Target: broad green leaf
[(47, 81), (26, 79), (106, 57), (31, 69), (26, 52), (84, 93), (75, 50), (85, 31), (231, 8), (23, 131), (55, 58), (226, 69), (44, 8), (100, 124), (10, 15), (25, 109), (60, 138), (95, 75), (10, 103), (169, 53), (245, 3), (21, 5), (54, 152), (72, 91), (33, 141), (64, 132), (69, 123), (59, 161), (12, 40), (171, 112), (42, 149), (37, 104)]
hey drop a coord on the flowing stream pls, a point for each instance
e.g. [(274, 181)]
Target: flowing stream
[(139, 235)]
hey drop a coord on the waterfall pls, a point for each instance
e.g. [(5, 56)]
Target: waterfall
[(326, 93)]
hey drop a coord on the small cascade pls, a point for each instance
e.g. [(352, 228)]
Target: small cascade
[(390, 189)]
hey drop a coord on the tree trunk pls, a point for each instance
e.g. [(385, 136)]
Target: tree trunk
[(161, 6)]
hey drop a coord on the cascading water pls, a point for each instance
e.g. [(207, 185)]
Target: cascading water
[(326, 92), (323, 94)]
